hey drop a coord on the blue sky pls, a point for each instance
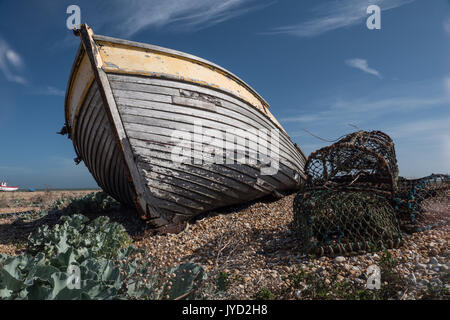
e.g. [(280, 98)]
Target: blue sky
[(316, 63)]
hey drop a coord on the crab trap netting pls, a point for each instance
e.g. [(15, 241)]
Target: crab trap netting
[(359, 161), (338, 222), (353, 200), (423, 203)]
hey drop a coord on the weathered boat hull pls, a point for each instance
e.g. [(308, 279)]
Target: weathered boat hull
[(142, 118)]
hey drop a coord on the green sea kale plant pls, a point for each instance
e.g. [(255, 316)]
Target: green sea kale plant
[(95, 202), (100, 238), (81, 260)]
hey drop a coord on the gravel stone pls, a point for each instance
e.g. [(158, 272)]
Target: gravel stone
[(255, 246), (339, 259), (421, 266), (433, 260), (412, 278)]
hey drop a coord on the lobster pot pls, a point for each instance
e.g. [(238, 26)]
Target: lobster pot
[(359, 161), (337, 222), (417, 198)]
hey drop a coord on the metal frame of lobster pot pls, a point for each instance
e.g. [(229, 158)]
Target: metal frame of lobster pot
[(345, 205)]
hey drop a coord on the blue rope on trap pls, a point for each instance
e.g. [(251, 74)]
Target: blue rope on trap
[(429, 227), (409, 207), (328, 239), (341, 234)]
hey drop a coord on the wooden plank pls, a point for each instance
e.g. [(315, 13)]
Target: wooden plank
[(79, 137), (97, 152), (194, 103), (136, 87), (120, 177), (229, 175), (97, 128), (96, 145), (81, 115), (80, 82), (101, 152), (79, 134), (156, 119), (207, 183), (170, 206), (264, 190), (143, 197), (166, 142), (76, 63), (170, 52), (184, 121), (129, 60), (192, 184), (152, 141), (159, 126), (227, 102), (191, 116), (107, 162), (282, 180), (198, 88), (177, 194), (92, 111), (136, 95), (90, 131), (97, 165), (207, 120), (113, 174), (193, 158), (201, 173)]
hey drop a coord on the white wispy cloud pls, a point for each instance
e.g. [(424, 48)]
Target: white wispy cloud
[(12, 66), (447, 86), (431, 127), (446, 150), (343, 111), (362, 65), (49, 91), (415, 115), (136, 15), (11, 63), (335, 15), (447, 25), (423, 146), (52, 91)]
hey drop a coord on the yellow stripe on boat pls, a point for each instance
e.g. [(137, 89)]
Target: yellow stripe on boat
[(79, 85), (120, 58)]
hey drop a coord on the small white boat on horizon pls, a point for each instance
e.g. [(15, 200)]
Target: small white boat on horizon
[(4, 187)]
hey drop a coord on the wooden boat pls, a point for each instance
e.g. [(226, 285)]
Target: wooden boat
[(126, 101)]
